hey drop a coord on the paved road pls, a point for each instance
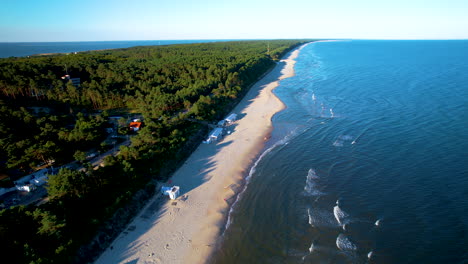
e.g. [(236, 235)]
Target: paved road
[(40, 194), (97, 161)]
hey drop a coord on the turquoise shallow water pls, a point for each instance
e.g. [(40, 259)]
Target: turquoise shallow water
[(368, 163)]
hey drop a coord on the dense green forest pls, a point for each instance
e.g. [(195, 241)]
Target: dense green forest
[(46, 119)]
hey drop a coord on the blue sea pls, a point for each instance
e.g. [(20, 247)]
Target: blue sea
[(21, 49), (368, 163)]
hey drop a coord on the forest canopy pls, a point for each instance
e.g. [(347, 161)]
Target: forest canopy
[(53, 109)]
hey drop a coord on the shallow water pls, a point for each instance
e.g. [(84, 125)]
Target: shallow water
[(369, 159)]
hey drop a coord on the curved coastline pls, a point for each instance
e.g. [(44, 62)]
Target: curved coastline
[(186, 230), (287, 72)]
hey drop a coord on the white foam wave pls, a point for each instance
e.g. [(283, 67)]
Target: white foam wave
[(284, 141), (345, 244), (321, 218), (340, 215), (360, 135), (370, 254), (377, 223), (310, 217), (312, 248), (310, 188), (312, 174)]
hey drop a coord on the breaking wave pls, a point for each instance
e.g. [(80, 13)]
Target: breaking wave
[(310, 188), (345, 244), (378, 222), (340, 215), (282, 142), (320, 218)]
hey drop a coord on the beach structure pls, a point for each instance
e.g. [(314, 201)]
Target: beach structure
[(23, 181), (26, 187), (75, 81), (38, 178), (222, 123), (172, 192), (228, 120), (215, 135), (135, 126), (231, 119)]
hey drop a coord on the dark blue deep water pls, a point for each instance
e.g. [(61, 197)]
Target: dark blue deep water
[(20, 49), (368, 163)]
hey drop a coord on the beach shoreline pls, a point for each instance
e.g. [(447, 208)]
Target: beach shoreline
[(186, 230)]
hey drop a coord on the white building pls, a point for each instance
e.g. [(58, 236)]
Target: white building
[(231, 119), (222, 123), (27, 187), (24, 180), (172, 192), (215, 135)]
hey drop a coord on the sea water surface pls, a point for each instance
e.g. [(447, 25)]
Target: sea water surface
[(368, 163), (20, 49)]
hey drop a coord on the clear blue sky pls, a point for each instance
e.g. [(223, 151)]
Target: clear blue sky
[(92, 20)]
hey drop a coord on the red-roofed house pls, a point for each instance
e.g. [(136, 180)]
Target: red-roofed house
[(135, 126)]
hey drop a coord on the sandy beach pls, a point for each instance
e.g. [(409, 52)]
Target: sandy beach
[(186, 230)]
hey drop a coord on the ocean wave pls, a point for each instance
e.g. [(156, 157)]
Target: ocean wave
[(345, 244), (282, 142), (341, 140), (320, 218), (312, 248), (310, 188), (338, 143), (341, 216), (378, 222)]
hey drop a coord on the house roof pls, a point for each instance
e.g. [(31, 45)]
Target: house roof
[(231, 117), (135, 124), (216, 132)]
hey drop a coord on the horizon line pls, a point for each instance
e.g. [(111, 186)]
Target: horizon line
[(235, 39)]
